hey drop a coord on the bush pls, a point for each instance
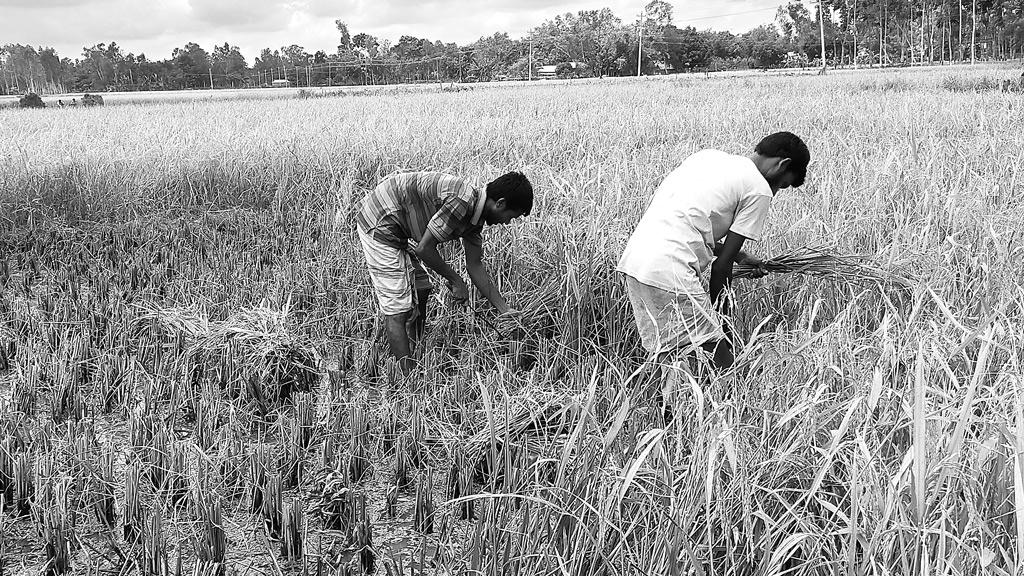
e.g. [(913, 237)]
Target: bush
[(31, 100), (92, 100)]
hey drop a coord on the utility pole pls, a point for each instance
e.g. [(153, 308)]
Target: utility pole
[(821, 27), (639, 42)]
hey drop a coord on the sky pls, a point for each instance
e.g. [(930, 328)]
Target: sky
[(156, 27)]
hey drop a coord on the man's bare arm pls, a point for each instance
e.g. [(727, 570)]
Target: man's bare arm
[(426, 250), (726, 254), (479, 275), (741, 257)]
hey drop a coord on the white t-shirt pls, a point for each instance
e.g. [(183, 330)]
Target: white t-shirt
[(710, 194)]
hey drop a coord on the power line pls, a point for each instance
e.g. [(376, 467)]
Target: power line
[(715, 16)]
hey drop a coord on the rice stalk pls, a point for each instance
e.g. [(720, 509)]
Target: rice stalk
[(211, 549), (423, 510), (272, 510), (133, 516), (293, 530), (154, 547), (104, 506)]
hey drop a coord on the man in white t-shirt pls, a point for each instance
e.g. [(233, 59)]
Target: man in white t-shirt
[(700, 216)]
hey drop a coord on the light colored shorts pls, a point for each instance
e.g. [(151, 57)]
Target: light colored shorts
[(668, 321), (393, 274)]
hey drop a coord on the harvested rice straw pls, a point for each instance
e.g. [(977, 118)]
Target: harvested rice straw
[(850, 268)]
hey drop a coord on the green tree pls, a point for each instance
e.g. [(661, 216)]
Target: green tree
[(764, 46), (97, 67), (684, 48), (593, 37), (192, 66), (657, 15), (229, 66), (344, 38), (54, 69)]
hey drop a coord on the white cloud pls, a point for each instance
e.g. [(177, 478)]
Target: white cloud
[(241, 14)]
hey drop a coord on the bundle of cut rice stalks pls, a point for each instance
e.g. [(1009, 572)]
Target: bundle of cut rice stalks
[(259, 351), (537, 315), (847, 268), (568, 304)]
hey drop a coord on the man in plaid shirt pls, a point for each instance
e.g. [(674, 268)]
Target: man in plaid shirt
[(416, 211)]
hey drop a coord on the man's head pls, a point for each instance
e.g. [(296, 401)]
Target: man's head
[(782, 159), (508, 197)]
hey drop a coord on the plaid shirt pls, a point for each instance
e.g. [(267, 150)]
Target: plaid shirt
[(405, 205)]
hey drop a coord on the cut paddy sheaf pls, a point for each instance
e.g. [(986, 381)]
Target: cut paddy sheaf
[(251, 354), (188, 375)]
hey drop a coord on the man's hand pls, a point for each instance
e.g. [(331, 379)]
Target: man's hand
[(757, 265), (460, 291), (759, 271), (511, 324)]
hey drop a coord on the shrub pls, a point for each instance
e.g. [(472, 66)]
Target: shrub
[(31, 100)]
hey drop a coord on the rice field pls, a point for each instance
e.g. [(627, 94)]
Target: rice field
[(191, 379)]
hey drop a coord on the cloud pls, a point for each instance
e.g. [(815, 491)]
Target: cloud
[(241, 14), (42, 4), (156, 27), (72, 25)]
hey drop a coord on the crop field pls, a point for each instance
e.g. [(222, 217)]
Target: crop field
[(192, 379)]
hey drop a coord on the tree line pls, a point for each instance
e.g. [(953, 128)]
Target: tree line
[(587, 43)]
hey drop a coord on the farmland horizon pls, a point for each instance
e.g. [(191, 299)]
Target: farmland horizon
[(1005, 68), (658, 38)]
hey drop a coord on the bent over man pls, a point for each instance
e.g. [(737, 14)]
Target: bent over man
[(700, 216), (414, 212)]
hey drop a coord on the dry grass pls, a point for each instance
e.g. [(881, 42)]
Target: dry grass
[(187, 329)]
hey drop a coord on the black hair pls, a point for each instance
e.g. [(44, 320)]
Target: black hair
[(787, 145), (515, 188)]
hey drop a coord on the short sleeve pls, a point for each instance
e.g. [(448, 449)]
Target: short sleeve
[(451, 218), (751, 216)]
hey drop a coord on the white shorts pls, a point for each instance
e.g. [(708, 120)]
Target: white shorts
[(393, 274), (668, 321)]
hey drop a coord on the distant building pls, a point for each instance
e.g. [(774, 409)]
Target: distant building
[(547, 71), (562, 70), (281, 83), (663, 67)]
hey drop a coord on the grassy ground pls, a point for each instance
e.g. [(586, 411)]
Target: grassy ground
[(190, 376)]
